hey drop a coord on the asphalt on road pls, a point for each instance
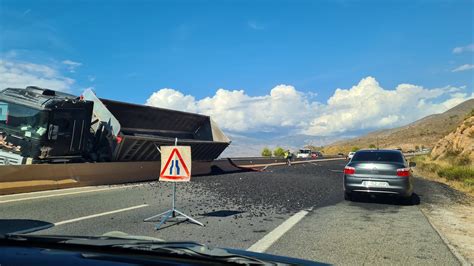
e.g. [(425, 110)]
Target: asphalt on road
[(239, 209)]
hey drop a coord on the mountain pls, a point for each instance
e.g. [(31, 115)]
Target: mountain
[(422, 133), (459, 143)]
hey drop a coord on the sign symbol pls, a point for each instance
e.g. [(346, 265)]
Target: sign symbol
[(173, 164)]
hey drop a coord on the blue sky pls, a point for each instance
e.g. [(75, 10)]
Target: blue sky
[(127, 50)]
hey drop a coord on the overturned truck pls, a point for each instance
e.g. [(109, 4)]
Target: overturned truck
[(44, 126)]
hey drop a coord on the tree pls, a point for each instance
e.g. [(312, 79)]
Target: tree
[(417, 148), (355, 149), (372, 146), (266, 152), (279, 152)]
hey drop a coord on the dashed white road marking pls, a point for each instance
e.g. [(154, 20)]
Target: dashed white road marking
[(269, 239), (55, 194), (99, 214)]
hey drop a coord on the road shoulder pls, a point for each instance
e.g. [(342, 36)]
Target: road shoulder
[(351, 233)]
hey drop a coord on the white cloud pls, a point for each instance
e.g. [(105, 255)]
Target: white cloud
[(17, 74), (71, 65), (461, 49), (364, 106), (171, 99), (463, 68)]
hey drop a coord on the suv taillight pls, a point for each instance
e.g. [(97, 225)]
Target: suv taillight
[(403, 172), (349, 170)]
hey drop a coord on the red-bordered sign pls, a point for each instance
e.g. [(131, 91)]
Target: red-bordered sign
[(175, 163)]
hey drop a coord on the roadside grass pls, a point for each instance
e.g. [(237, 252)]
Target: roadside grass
[(456, 173)]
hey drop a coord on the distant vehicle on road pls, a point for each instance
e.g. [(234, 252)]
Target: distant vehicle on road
[(378, 171), (303, 154), (316, 154), (350, 155)]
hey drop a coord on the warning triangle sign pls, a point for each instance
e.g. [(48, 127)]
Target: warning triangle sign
[(175, 163)]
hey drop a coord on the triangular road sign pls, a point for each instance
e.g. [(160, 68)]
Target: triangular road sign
[(175, 163)]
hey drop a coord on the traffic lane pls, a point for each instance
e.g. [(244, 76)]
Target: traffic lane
[(287, 188), (359, 233), (231, 221), (55, 209), (281, 187), (224, 226)]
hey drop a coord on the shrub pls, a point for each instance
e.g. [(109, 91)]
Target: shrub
[(469, 182), (463, 160), (355, 149), (460, 173), (266, 152), (279, 152)]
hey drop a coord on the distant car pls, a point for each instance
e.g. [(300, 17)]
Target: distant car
[(378, 171), (303, 154), (316, 154), (350, 155)]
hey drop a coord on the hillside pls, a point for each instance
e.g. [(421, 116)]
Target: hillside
[(459, 143), (422, 133)]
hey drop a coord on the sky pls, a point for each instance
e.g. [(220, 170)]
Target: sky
[(259, 68)]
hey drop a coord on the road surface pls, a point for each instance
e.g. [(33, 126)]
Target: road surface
[(296, 211)]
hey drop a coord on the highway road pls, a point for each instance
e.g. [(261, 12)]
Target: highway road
[(296, 211)]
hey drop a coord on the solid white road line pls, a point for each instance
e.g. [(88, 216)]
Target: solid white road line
[(268, 240), (99, 214), (62, 194)]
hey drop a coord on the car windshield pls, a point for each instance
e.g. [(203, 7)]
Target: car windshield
[(370, 156), (335, 131), (22, 120)]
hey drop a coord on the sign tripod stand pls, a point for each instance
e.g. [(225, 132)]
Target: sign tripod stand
[(172, 213)]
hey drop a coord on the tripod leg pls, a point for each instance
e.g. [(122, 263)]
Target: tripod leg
[(154, 216), (190, 218), (164, 219)]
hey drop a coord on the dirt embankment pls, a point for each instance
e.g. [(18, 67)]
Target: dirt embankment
[(459, 143)]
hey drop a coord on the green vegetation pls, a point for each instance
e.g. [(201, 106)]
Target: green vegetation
[(279, 152), (355, 149), (455, 169), (462, 173), (417, 148), (266, 152), (372, 146)]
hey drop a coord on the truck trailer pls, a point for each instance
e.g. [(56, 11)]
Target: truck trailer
[(40, 126)]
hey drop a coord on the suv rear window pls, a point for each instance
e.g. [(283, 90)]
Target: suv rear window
[(378, 157)]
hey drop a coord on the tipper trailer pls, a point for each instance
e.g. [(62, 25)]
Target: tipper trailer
[(44, 126)]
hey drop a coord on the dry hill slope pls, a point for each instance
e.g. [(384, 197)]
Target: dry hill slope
[(459, 143), (424, 132)]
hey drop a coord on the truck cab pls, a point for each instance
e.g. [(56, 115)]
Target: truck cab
[(40, 125)]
